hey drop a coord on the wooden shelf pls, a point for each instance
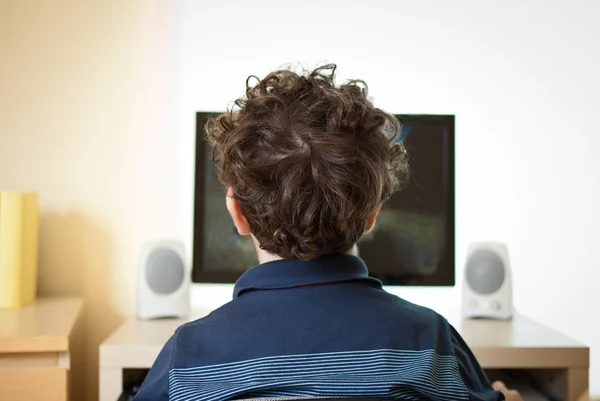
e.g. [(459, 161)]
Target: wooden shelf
[(35, 347)]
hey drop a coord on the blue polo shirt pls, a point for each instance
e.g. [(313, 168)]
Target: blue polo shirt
[(316, 328)]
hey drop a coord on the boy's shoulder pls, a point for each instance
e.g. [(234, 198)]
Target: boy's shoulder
[(387, 313)]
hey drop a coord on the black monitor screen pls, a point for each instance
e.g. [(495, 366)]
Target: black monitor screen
[(412, 242)]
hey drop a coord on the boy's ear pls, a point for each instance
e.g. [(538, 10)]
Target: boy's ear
[(372, 218), (240, 222)]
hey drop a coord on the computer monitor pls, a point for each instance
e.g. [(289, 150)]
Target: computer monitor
[(412, 243)]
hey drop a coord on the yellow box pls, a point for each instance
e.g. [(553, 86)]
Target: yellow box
[(19, 231)]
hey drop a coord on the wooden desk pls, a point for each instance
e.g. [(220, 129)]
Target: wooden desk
[(558, 361), (521, 344), (35, 349)]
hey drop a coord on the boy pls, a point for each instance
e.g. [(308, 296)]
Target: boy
[(307, 165)]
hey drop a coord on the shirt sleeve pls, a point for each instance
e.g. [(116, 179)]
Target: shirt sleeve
[(472, 374), (156, 384)]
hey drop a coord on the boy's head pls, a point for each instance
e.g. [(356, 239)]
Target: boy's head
[(307, 163)]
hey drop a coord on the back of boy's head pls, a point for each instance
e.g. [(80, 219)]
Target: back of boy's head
[(307, 161)]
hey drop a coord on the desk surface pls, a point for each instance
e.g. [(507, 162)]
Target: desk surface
[(517, 343), (521, 343), (44, 326)]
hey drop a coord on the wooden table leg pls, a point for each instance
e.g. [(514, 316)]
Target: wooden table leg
[(111, 383), (578, 384)]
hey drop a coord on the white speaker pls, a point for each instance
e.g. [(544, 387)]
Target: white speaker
[(487, 282), (164, 281)]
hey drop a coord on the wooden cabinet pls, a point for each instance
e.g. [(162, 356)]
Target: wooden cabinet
[(38, 345)]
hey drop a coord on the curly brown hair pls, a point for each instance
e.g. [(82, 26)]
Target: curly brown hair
[(307, 161)]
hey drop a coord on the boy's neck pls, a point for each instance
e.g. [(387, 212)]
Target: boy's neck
[(264, 256)]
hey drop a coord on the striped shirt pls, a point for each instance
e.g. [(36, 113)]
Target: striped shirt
[(321, 328)]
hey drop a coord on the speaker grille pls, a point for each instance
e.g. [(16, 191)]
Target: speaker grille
[(485, 272), (164, 271)]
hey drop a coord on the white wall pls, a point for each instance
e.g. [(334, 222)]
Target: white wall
[(522, 79), (87, 119)]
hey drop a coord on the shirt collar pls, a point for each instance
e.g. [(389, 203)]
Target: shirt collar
[(291, 273)]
